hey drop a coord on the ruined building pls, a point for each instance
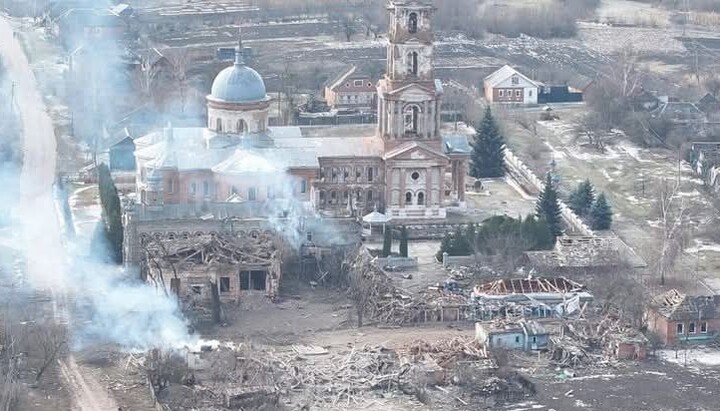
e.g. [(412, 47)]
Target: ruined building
[(301, 188), (677, 318)]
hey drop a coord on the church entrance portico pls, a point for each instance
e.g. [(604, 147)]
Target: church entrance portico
[(415, 179)]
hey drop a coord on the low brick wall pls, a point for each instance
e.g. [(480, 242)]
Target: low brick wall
[(398, 262), (460, 260), (518, 168)]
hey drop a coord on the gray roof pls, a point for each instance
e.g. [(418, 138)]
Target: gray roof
[(196, 148), (239, 84), (456, 144)]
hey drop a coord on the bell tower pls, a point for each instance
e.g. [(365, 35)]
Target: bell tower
[(409, 96)]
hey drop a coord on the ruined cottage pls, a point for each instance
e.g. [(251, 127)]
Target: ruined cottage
[(678, 318)]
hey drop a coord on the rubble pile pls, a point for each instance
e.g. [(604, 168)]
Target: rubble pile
[(446, 353), (386, 302), (250, 376), (391, 305), (597, 342)]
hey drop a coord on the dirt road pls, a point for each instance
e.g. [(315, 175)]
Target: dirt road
[(88, 394), (41, 231)]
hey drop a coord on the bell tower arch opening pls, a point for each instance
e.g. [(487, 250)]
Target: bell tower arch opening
[(413, 63), (413, 23), (412, 118)]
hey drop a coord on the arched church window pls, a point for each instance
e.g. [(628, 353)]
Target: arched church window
[(218, 125), (370, 196), (252, 194), (413, 63), (408, 198), (421, 198), (412, 117), (413, 23), (241, 126)]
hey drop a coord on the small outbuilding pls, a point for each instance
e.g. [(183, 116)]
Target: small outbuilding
[(375, 219), (524, 335)]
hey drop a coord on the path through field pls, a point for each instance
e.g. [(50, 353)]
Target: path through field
[(41, 234)]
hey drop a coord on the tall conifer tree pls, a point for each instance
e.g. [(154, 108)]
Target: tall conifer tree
[(548, 207), (488, 150)]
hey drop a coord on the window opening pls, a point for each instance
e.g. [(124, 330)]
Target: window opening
[(224, 284)]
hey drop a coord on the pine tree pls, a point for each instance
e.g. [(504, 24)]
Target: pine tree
[(548, 208), (601, 214), (387, 242), (582, 199), (488, 149), (111, 212), (403, 242)]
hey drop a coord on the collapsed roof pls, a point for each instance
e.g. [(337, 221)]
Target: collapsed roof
[(529, 285), (678, 306)]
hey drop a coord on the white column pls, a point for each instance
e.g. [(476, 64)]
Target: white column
[(380, 116), (426, 119), (399, 119)]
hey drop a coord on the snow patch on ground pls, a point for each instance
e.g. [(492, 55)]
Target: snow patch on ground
[(703, 246), (581, 404), (694, 356), (633, 151), (654, 223), (525, 406), (605, 377), (556, 153)]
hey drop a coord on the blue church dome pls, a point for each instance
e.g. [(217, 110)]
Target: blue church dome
[(238, 84)]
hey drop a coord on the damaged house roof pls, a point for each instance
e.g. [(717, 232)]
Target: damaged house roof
[(678, 306), (530, 285)]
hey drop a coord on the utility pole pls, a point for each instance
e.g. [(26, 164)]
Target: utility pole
[(686, 16), (697, 63), (12, 96)]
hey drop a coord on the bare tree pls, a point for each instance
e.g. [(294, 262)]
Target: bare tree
[(179, 61), (528, 123), (625, 75), (673, 218), (288, 87), (591, 127), (50, 339), (360, 291), (620, 294), (11, 339), (712, 84), (373, 17), (348, 27), (145, 78)]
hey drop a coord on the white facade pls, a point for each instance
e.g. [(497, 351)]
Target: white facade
[(509, 86)]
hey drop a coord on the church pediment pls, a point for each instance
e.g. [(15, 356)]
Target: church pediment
[(413, 92), (414, 151)]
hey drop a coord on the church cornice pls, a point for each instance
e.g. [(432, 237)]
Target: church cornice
[(226, 105)]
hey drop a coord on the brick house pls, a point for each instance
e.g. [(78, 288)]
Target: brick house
[(509, 86), (353, 90), (676, 317)]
